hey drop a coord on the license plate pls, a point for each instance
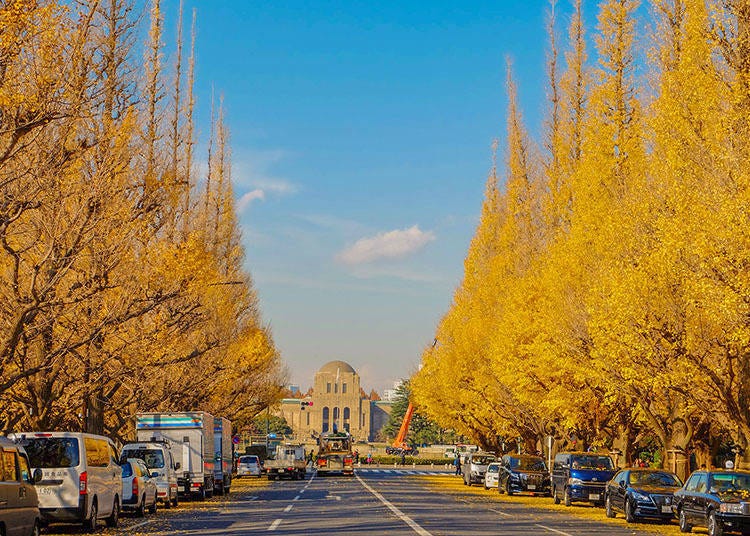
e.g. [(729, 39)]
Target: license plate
[(45, 490), (531, 486), (593, 496), (666, 509)]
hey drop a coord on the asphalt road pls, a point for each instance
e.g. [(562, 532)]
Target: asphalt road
[(375, 501)]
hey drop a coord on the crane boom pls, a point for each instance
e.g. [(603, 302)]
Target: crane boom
[(400, 441)]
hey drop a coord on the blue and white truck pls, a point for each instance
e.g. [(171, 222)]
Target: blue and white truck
[(222, 455), (190, 436)]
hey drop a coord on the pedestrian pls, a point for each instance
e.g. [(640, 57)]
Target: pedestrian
[(369, 458), (457, 463), (356, 456), (403, 457)]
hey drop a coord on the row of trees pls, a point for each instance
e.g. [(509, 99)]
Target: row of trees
[(606, 293), (122, 286)]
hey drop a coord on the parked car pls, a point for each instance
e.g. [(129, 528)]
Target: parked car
[(158, 458), (490, 476), (641, 493), (523, 474), (581, 476), (719, 500), (249, 465), (81, 478), (138, 488), (475, 466), (19, 504)]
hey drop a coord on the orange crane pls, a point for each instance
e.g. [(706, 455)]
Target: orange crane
[(400, 443)]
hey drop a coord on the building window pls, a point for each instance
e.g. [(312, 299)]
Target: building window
[(343, 388), (335, 387), (326, 413), (347, 415), (328, 387)]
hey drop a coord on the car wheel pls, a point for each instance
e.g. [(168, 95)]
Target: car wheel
[(555, 496), (715, 528), (507, 488), (176, 500), (141, 510), (684, 525), (114, 517), (629, 515), (153, 508), (35, 530), (89, 525), (608, 507), (566, 497)]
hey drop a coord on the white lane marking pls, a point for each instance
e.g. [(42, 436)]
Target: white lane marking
[(140, 524), (550, 529), (288, 508), (275, 524), (402, 516), (501, 513), (296, 498), (302, 490)]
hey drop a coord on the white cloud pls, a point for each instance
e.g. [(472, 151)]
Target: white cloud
[(388, 245), (249, 197)]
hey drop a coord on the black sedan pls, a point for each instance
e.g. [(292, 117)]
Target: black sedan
[(523, 474), (641, 493), (719, 500)]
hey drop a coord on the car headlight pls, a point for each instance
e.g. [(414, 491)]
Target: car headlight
[(575, 482), (731, 508), (640, 497)]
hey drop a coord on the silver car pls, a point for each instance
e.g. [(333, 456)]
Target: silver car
[(475, 467), (249, 465)]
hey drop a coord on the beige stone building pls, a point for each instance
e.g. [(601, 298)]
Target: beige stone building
[(337, 403)]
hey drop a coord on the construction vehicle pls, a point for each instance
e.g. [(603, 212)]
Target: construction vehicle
[(335, 454), (288, 461), (399, 445)]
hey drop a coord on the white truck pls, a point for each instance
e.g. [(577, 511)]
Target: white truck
[(157, 455), (222, 455), (289, 460), (190, 436)]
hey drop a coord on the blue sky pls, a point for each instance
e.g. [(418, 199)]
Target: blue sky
[(361, 136)]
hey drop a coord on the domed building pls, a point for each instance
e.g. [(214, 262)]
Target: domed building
[(337, 403)]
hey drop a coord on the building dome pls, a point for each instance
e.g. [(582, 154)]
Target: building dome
[(333, 366)]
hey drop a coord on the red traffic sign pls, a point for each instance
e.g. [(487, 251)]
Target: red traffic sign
[(236, 440)]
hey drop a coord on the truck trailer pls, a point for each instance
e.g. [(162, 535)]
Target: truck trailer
[(190, 436)]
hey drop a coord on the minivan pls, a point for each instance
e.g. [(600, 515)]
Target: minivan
[(581, 476), (158, 458), (19, 506), (81, 478), (475, 466)]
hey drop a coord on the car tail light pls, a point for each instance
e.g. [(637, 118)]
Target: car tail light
[(322, 461), (195, 485), (83, 483), (348, 460), (135, 487)]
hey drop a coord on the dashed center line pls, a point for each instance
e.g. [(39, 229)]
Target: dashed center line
[(296, 498), (275, 524), (288, 508), (506, 514)]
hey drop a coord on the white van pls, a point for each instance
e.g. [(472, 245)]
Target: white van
[(158, 459), (81, 477)]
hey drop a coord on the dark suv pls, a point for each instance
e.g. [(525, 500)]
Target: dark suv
[(719, 500), (523, 474), (581, 476)]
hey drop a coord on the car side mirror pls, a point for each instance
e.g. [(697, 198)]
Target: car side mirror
[(177, 466), (38, 476)]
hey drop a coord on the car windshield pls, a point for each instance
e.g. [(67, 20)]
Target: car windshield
[(601, 463), (650, 478), (154, 459), (482, 460), (731, 485), (50, 452), (528, 464), (248, 459), (493, 468)]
